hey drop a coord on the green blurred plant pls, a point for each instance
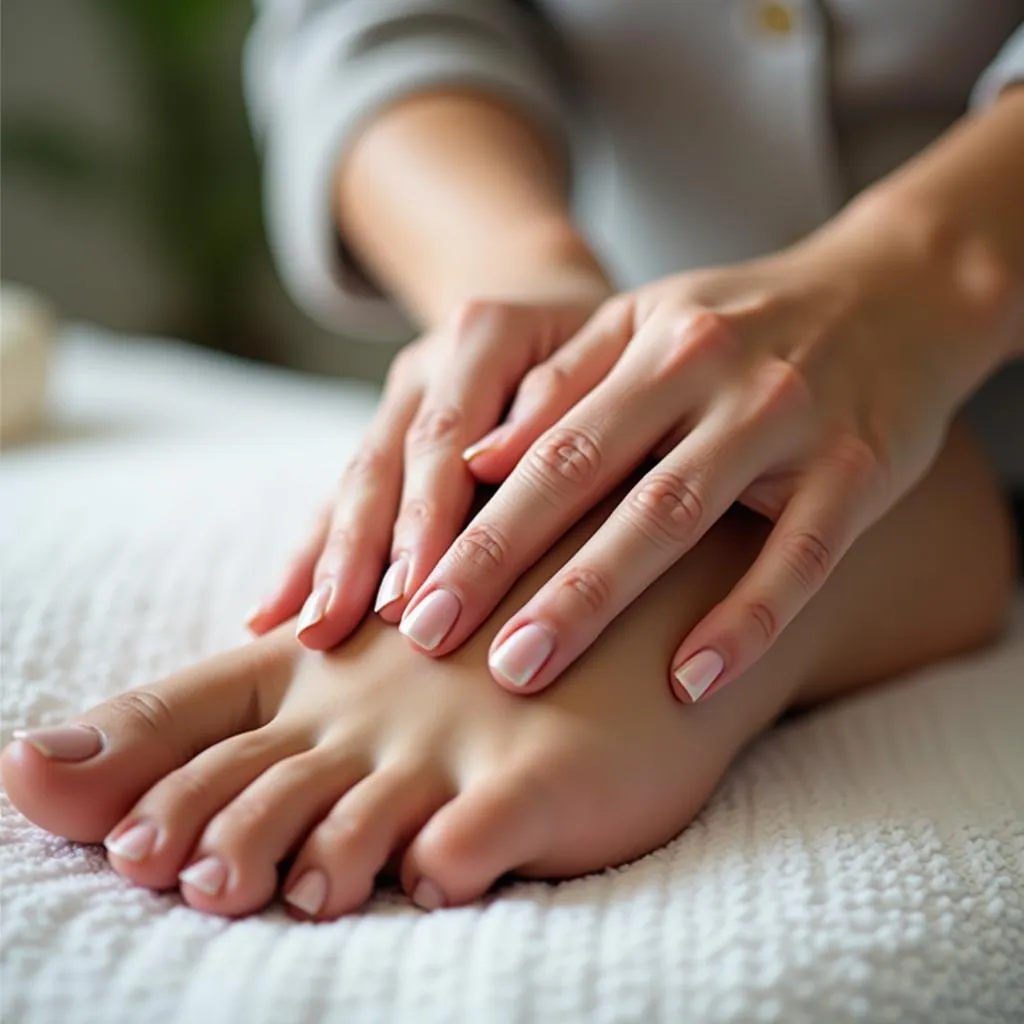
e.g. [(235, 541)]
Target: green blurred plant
[(193, 180)]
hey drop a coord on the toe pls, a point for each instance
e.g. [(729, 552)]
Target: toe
[(335, 871), (486, 832), (234, 868), (80, 790), (152, 842)]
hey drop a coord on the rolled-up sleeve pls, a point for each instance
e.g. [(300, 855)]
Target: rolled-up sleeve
[(1006, 69), (317, 70)]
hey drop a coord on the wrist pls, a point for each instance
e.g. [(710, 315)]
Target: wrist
[(907, 258), (543, 260)]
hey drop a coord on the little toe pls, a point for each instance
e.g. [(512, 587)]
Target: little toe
[(335, 870), (487, 831), (152, 842), (234, 868), (78, 780)]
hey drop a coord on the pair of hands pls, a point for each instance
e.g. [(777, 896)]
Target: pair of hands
[(814, 387)]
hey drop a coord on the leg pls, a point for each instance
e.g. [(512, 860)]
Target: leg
[(348, 761)]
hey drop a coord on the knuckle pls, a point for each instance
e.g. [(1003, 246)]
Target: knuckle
[(587, 586), (808, 559), (414, 514), (665, 509), (782, 388), (482, 546), (545, 381), (434, 426), (367, 466), (764, 620), (693, 337), (865, 457), (478, 317), (565, 459)]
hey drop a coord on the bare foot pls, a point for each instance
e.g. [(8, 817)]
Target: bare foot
[(374, 754)]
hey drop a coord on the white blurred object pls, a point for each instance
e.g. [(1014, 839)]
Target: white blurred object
[(28, 324)]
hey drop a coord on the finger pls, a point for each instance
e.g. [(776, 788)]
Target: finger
[(838, 501), (295, 585), (551, 389), (493, 347), (349, 565), (661, 518), (571, 467)]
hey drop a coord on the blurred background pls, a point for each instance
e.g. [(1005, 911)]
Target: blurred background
[(130, 185)]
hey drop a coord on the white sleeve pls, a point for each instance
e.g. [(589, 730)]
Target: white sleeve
[(1006, 69), (316, 70)]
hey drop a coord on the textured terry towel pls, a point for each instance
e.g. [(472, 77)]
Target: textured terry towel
[(862, 863)]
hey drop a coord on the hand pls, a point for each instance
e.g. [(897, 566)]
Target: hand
[(408, 490), (815, 387)]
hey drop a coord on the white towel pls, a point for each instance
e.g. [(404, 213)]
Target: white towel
[(862, 863)]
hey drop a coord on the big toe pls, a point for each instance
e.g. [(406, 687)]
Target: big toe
[(78, 780)]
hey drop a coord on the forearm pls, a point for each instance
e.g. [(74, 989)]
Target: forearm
[(958, 211), (448, 197)]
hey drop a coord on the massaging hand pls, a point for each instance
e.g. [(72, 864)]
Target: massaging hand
[(812, 386), (407, 491)]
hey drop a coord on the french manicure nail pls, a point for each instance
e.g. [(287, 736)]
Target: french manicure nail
[(309, 893), (699, 672), (315, 607), (521, 656), (253, 613), (135, 844), (427, 895), (430, 621), (485, 443), (65, 742), (207, 875), (392, 587)]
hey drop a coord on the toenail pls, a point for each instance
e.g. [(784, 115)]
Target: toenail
[(432, 619), (309, 893), (315, 607), (392, 587), (135, 844), (207, 875), (64, 743), (523, 654), (427, 895)]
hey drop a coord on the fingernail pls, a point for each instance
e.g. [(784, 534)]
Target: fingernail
[(136, 844), (309, 893), (65, 742), (253, 613), (207, 875), (392, 587), (485, 443), (427, 895), (315, 607), (429, 622), (699, 672), (520, 657)]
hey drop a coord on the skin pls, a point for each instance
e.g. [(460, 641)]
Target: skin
[(331, 767), (814, 386)]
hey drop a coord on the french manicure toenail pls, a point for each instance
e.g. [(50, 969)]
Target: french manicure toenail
[(392, 587), (309, 893), (523, 654), (315, 607), (697, 673), (432, 619), (135, 844), (65, 742), (207, 875), (427, 895)]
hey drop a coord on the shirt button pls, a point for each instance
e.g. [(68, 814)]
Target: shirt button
[(776, 19)]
